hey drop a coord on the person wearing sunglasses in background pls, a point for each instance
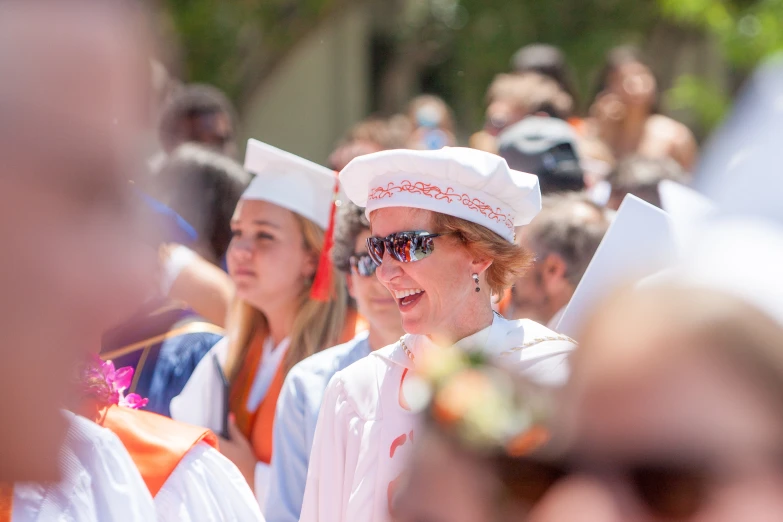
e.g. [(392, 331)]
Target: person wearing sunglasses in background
[(443, 237), (303, 389)]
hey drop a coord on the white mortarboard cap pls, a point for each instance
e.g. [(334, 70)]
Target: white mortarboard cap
[(639, 242), (470, 184), (289, 181)]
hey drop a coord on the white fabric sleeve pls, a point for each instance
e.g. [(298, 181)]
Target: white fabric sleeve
[(207, 487), (201, 401), (325, 499), (101, 483)]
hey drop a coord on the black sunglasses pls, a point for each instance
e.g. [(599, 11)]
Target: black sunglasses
[(672, 490), (363, 264), (405, 247)]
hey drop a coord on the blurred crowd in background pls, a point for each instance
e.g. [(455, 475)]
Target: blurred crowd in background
[(672, 407)]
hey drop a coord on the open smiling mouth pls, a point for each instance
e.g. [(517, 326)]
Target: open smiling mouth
[(408, 298)]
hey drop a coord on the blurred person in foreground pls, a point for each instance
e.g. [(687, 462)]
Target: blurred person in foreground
[(673, 413), (545, 147), (75, 268), (74, 110), (624, 113), (512, 97), (197, 113), (563, 236), (480, 421), (203, 187), (640, 176), (304, 387), (442, 259)]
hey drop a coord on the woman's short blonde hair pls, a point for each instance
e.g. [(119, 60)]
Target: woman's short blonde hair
[(510, 261)]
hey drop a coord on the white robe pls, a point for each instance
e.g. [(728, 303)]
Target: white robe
[(100, 482), (364, 434), (202, 402), (204, 487)]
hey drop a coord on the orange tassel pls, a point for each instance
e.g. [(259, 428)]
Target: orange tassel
[(322, 284)]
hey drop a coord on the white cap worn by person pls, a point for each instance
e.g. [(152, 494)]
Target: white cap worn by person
[(303, 187), (469, 184), (291, 182)]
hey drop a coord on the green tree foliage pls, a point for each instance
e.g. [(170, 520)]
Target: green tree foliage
[(748, 31), (233, 44), (585, 29)]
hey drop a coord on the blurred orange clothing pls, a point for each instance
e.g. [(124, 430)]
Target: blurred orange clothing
[(156, 444)]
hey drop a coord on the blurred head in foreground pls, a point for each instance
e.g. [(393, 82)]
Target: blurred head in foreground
[(673, 413), (470, 461), (74, 106)]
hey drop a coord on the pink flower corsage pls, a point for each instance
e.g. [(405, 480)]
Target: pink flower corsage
[(108, 385)]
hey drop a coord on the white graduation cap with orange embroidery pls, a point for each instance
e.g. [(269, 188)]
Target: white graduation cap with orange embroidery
[(469, 184)]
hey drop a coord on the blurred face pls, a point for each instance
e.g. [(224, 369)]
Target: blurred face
[(374, 301), (634, 83), (212, 130), (529, 299), (434, 294), (682, 439), (267, 258), (502, 113), (68, 225)]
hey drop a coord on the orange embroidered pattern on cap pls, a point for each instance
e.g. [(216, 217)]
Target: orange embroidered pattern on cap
[(449, 195)]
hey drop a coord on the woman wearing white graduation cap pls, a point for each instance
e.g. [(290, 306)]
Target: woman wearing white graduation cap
[(290, 303), (443, 234)]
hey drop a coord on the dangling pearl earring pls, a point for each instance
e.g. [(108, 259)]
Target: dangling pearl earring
[(476, 280)]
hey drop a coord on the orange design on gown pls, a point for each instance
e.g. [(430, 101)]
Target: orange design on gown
[(156, 444)]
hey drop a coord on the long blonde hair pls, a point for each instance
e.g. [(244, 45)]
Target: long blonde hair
[(317, 325)]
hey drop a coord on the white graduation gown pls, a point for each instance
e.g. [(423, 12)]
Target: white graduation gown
[(202, 400), (206, 486), (100, 482), (364, 434)]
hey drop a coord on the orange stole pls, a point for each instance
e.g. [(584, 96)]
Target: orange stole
[(155, 443), (6, 502), (257, 426)]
